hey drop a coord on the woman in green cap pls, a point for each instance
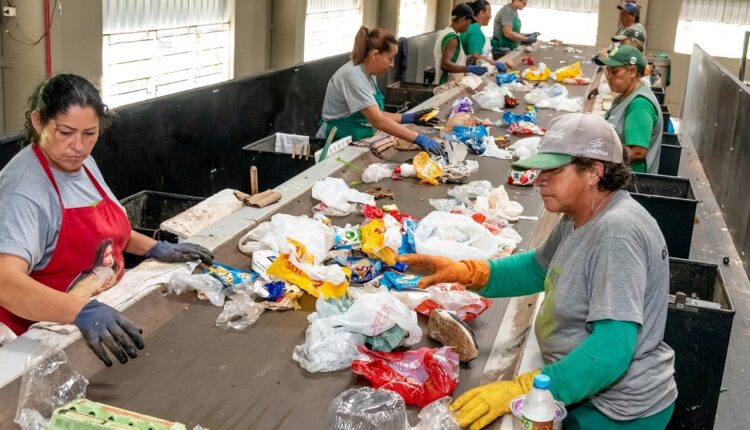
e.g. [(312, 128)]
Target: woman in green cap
[(604, 271), (506, 34)]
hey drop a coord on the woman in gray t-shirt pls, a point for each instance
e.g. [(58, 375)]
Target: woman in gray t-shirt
[(605, 274)]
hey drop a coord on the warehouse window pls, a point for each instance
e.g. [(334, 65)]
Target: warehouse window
[(156, 47), (716, 26), (413, 18), (330, 27), (581, 18)]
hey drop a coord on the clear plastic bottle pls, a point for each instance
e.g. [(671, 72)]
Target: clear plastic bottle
[(539, 406)]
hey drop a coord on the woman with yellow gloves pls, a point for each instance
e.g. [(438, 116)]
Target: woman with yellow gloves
[(605, 274)]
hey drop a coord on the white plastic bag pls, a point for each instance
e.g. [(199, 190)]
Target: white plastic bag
[(492, 96), (204, 284), (239, 313), (373, 314), (337, 195), (436, 415), (377, 171), (526, 147), (499, 205), (317, 237), (454, 236)]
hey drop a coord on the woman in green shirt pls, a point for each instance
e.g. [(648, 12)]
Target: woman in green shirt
[(506, 34), (474, 42)]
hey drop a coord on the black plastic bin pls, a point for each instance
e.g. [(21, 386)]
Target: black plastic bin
[(275, 168), (669, 158), (665, 114), (659, 93), (699, 334), (147, 209), (671, 201)]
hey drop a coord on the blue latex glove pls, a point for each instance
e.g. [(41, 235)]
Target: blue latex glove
[(501, 67), (428, 144), (101, 324), (531, 38), (413, 117), (179, 252), (477, 70)]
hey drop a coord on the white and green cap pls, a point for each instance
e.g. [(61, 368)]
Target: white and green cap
[(574, 135)]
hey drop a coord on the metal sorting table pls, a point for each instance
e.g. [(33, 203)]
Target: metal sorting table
[(193, 372)]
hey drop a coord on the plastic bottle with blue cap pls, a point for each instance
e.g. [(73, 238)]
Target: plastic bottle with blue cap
[(539, 405)]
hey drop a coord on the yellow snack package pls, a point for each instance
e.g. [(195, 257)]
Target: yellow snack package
[(427, 169), (536, 73), (373, 242), (298, 269), (568, 72)]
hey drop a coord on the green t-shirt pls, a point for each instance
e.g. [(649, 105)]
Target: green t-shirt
[(640, 117), (473, 40), (443, 43)]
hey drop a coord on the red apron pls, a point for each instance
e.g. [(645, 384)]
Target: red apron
[(89, 236)]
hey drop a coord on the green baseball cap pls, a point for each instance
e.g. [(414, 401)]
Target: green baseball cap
[(574, 135), (630, 33), (623, 55)]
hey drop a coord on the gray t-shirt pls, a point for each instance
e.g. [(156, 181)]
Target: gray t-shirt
[(30, 213), (505, 17), (350, 90), (614, 267)]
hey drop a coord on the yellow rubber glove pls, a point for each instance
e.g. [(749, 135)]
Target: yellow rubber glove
[(473, 274), (480, 406)]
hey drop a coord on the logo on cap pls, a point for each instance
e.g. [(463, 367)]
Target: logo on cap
[(595, 145), (633, 60), (557, 134)]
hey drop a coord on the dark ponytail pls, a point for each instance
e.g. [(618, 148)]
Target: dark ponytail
[(367, 40), (57, 95)]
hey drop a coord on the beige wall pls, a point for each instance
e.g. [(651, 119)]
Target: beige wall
[(267, 34)]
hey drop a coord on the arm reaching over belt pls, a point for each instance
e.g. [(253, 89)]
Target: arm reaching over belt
[(472, 273), (103, 325), (179, 252)]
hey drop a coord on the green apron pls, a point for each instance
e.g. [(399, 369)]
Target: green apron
[(356, 124), (504, 42)]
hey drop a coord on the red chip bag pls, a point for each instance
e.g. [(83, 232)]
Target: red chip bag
[(420, 376)]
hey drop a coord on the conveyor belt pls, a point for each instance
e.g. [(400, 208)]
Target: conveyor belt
[(195, 373)]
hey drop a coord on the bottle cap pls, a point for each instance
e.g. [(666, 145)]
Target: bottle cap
[(542, 381)]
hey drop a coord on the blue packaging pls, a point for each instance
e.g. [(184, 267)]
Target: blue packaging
[(511, 118), (506, 78), (398, 281), (471, 137)]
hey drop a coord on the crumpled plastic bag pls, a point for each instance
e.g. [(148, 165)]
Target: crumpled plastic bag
[(377, 171), (381, 239), (317, 237), (527, 147), (459, 172), (337, 195), (528, 116), (453, 297), (205, 285), (567, 72), (523, 178), (428, 170), (339, 326), (554, 97), (454, 236), (499, 205), (539, 72), (437, 415), (581, 80), (239, 313), (506, 78), (48, 383), (463, 104), (525, 128), (465, 193), (420, 376), (492, 96), (472, 137), (299, 268)]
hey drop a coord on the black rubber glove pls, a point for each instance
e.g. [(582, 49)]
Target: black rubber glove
[(179, 252), (102, 324)]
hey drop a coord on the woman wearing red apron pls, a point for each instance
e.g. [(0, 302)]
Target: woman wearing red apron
[(62, 233)]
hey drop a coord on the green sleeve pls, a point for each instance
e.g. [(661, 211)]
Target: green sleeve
[(596, 363), (473, 40), (516, 275), (640, 119)]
